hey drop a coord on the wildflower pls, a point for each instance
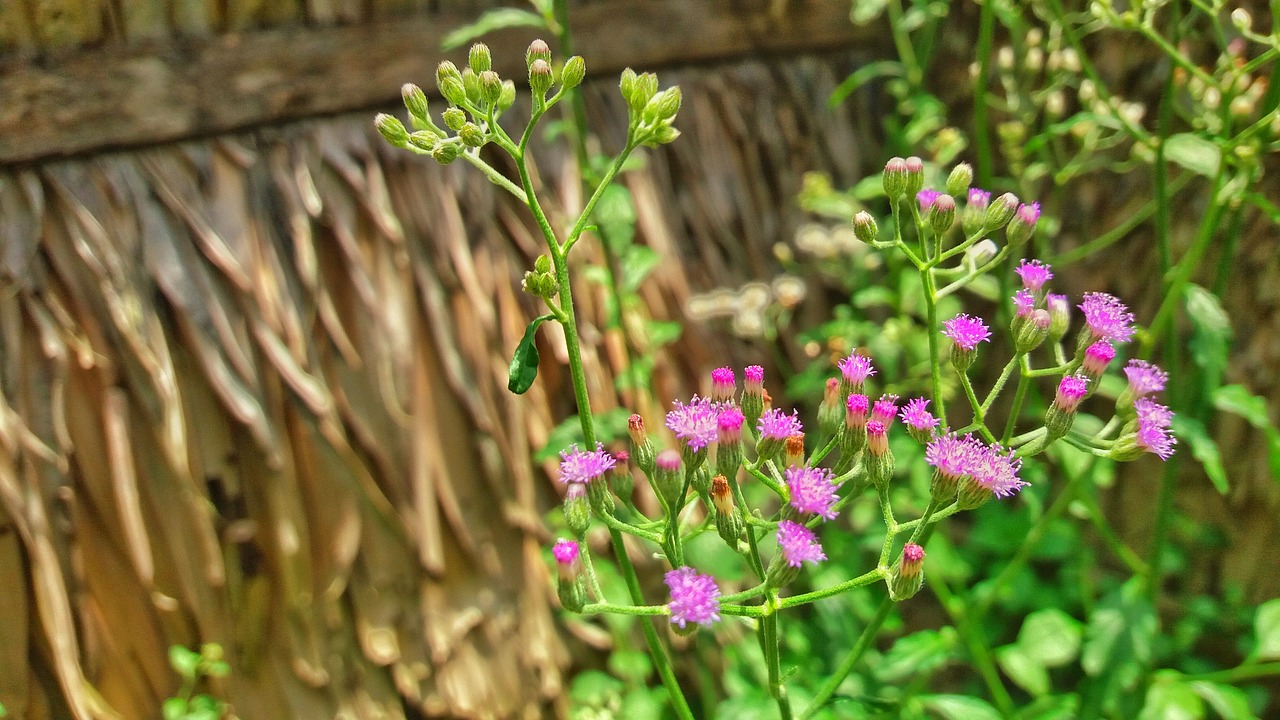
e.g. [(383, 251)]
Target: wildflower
[(1062, 413), (667, 480), (694, 597), (885, 409), (570, 584), (753, 393), (854, 437), (915, 175), (926, 198), (960, 179), (1107, 317), (919, 421), (854, 371), (566, 552), (1096, 358), (1023, 223), (728, 521), (1024, 301), (812, 492), (880, 464), (975, 211), (577, 510), (1030, 330), (620, 480), (999, 212), (775, 427), (952, 458), (1059, 315), (583, 466), (829, 411), (992, 473), (794, 451), (864, 227), (723, 384), (1034, 274), (798, 544), (1144, 378), (694, 423), (965, 332), (729, 441), (1153, 428), (908, 573), (895, 178), (641, 446)]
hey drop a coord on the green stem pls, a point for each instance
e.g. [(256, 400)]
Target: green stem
[(1237, 674), (976, 645), (935, 365), (805, 598), (1018, 396), (1000, 381), (981, 133), (850, 660), (770, 643)]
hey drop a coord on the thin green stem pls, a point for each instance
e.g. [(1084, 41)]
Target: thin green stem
[(935, 364), (770, 642), (1019, 396), (495, 177), (1237, 674), (981, 131), (862, 580), (1000, 381), (977, 646), (850, 660)]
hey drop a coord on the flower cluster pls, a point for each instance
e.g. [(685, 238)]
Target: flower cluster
[(583, 466)]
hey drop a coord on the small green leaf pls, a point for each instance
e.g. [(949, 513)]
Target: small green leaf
[(524, 363), (497, 19), (595, 689), (917, 654), (1211, 334), (632, 666), (218, 669), (1203, 448), (1194, 153), (174, 708), (610, 425), (1118, 640), (1028, 672), (1051, 637), (959, 707), (1052, 707), (184, 661), (663, 332), (1227, 701), (1237, 400), (1266, 628), (616, 213), (637, 262), (1169, 698)]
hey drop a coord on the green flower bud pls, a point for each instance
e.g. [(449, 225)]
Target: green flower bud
[(415, 101), (538, 50), (1000, 211), (915, 176), (864, 227), (660, 136), (542, 264), (445, 153), (894, 178), (490, 86), (577, 510), (471, 84), (508, 96), (423, 141), (662, 107), (575, 69), (471, 135), (600, 497), (1029, 331), (642, 451), (907, 576), (942, 214), (728, 518), (449, 81), (540, 78), (480, 59), (959, 180), (454, 119), (627, 84), (392, 130)]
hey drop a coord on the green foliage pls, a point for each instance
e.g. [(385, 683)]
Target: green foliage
[(524, 363), (195, 668)]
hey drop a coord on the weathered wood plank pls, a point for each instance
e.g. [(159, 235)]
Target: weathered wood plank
[(112, 98)]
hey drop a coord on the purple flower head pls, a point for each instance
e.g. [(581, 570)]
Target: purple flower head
[(856, 368), (753, 374), (858, 404), (1152, 413), (1024, 301), (926, 199), (996, 469), (966, 331), (1145, 378), (916, 415), (565, 551), (1029, 214), (729, 423), (778, 425), (885, 409), (583, 466), (1107, 317), (694, 597), (912, 553), (1071, 391), (798, 544), (952, 455), (1153, 427), (1034, 274), (723, 383), (812, 491), (979, 199), (694, 423), (668, 460), (1097, 356), (877, 438)]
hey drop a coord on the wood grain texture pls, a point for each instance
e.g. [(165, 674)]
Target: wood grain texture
[(122, 97)]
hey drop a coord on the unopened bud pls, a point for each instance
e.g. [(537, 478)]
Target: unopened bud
[(540, 78), (728, 518), (880, 463), (753, 394), (620, 480), (643, 89), (471, 85), (960, 179), (1000, 211), (508, 96), (980, 253), (1062, 413), (490, 86), (575, 69), (479, 58), (793, 451), (449, 81), (975, 211), (667, 479), (729, 442), (454, 119), (942, 213), (831, 411), (662, 107), (1241, 19), (908, 574), (854, 437), (915, 176), (424, 141), (391, 130), (1023, 223), (538, 50), (600, 497), (895, 178), (570, 584), (1096, 358), (471, 135), (577, 510), (723, 385), (445, 153), (1029, 331), (641, 447), (415, 101), (864, 227), (1059, 315)]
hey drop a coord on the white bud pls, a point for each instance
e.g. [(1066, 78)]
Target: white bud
[(1035, 59), (1241, 19), (1055, 104), (1004, 58), (1071, 60), (980, 253)]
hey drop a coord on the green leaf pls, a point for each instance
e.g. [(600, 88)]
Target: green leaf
[(632, 666), (1118, 640), (959, 707), (864, 75), (524, 363), (1237, 400), (616, 214), (184, 661), (174, 708), (1053, 707), (1025, 670), (663, 332), (1203, 448), (637, 262), (497, 19), (1211, 332), (916, 654), (1194, 153), (595, 689), (643, 703), (1169, 698), (1266, 629), (1227, 701), (1050, 637), (864, 11)]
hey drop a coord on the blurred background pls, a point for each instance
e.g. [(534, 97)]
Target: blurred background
[(254, 361)]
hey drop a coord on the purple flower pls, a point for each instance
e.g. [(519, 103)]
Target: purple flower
[(877, 438), (856, 368), (1107, 317), (694, 597), (997, 470), (1071, 391), (694, 423), (952, 455), (1153, 427), (778, 425), (1034, 274), (966, 331), (1029, 214), (583, 466), (916, 415), (723, 384), (729, 425), (1024, 302), (753, 374), (812, 491), (798, 544), (885, 409), (565, 551), (979, 199), (1096, 358), (1145, 378), (926, 199)]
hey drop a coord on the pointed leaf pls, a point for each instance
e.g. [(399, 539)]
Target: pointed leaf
[(1266, 626), (1227, 701), (1028, 672), (1050, 636), (1194, 153), (1118, 640), (499, 19), (1203, 448), (1170, 698), (524, 363), (959, 707)]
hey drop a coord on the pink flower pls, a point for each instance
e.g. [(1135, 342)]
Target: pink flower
[(996, 469), (723, 384), (798, 544), (952, 455), (778, 425), (1145, 378), (1097, 357), (1034, 274), (979, 199), (885, 409), (856, 368), (1107, 317), (1153, 427), (1024, 302), (1071, 391), (565, 551), (926, 199), (812, 491), (694, 423), (695, 598), (966, 331), (916, 415), (583, 466)]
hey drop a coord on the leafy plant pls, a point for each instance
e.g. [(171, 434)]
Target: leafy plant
[(196, 668)]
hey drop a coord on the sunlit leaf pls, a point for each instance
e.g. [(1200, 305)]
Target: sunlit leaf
[(1194, 153), (497, 19)]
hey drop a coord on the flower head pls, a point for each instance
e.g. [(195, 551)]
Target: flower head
[(856, 368), (583, 466), (798, 544), (753, 374), (723, 383), (565, 551), (1107, 317), (1024, 301), (966, 331), (926, 199), (812, 491), (695, 598), (694, 423), (996, 469), (777, 425), (1153, 427), (1034, 274), (729, 424), (1029, 214), (1145, 378), (951, 454), (979, 199), (885, 409), (915, 415), (1071, 390), (1096, 358)]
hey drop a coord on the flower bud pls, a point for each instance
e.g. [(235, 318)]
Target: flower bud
[(1023, 223), (1031, 332), (907, 576), (570, 583), (577, 511), (753, 394), (1000, 211), (701, 480), (391, 130), (642, 91), (854, 438), (490, 86), (662, 107), (641, 447), (729, 442), (575, 69), (915, 176), (895, 178), (620, 480), (1096, 358), (424, 141), (980, 253), (600, 497), (973, 494), (471, 135), (540, 78), (415, 101), (1062, 413), (793, 451), (445, 153), (449, 81), (728, 519), (880, 463), (454, 119), (508, 96), (479, 58), (723, 385), (1059, 316), (1241, 19), (538, 50), (975, 211), (960, 179), (942, 214), (471, 85), (831, 411), (667, 479), (864, 227)]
